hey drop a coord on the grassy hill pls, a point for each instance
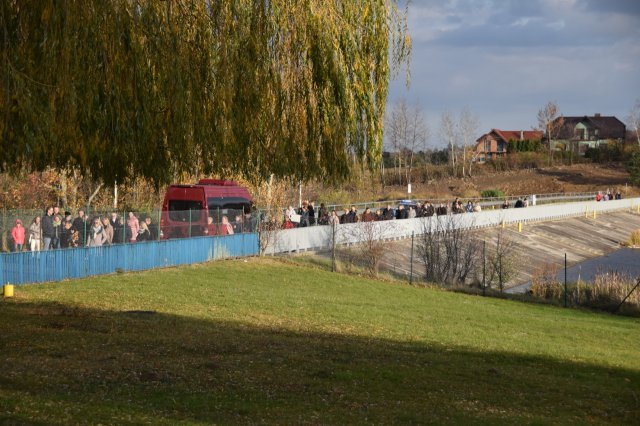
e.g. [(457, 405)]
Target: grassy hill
[(261, 341)]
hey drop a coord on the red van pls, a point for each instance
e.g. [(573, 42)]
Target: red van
[(186, 208)]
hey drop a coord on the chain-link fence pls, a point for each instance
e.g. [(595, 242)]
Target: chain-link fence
[(34, 230)]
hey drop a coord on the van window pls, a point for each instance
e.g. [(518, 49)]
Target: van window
[(184, 210), (230, 207)]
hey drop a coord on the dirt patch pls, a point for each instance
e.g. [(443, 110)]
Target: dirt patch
[(577, 178), (557, 179)]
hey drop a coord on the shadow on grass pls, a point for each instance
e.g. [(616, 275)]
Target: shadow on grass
[(63, 364)]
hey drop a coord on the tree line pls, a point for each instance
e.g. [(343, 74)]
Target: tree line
[(122, 89)]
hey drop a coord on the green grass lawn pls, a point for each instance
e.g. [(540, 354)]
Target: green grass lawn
[(262, 341)]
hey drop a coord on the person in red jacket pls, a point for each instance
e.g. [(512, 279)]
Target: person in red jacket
[(17, 233), (225, 227)]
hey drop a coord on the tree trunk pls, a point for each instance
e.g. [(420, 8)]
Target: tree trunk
[(93, 195), (464, 160), (63, 189)]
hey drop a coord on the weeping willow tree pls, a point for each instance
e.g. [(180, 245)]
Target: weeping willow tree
[(128, 88)]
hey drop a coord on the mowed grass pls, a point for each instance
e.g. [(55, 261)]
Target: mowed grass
[(264, 341)]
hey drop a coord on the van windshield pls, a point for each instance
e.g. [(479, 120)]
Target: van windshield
[(184, 210)]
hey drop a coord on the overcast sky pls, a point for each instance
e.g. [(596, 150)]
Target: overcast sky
[(504, 59)]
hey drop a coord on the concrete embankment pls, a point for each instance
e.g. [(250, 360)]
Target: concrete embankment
[(541, 243)]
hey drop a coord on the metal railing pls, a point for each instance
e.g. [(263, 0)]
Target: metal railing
[(549, 198)]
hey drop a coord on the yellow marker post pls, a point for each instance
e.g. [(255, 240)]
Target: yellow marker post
[(594, 214), (8, 290), (503, 224), (586, 212), (519, 226)]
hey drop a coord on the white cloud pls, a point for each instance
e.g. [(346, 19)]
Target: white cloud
[(505, 59)]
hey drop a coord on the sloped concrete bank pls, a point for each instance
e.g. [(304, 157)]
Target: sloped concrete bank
[(539, 244)]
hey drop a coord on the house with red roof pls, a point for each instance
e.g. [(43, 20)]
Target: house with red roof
[(495, 144)]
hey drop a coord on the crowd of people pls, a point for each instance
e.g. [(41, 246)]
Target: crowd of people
[(55, 230), (608, 196), (307, 215)]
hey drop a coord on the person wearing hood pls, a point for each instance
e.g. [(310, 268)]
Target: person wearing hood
[(18, 234), (97, 236)]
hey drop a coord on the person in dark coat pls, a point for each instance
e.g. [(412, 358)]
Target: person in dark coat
[(143, 233), (113, 221), (121, 233), (388, 213), (81, 227), (68, 236), (352, 216), (429, 210), (304, 215), (401, 213), (47, 228), (323, 215), (312, 214), (344, 217), (153, 228)]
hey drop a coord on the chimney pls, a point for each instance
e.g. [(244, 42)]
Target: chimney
[(597, 114), (521, 135)]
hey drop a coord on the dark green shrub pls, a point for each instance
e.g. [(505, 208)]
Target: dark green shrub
[(633, 167), (492, 193)]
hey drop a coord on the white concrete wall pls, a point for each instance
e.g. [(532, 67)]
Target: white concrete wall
[(320, 237)]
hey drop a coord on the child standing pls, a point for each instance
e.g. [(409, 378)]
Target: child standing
[(18, 233)]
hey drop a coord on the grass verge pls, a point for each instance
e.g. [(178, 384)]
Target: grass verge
[(261, 341)]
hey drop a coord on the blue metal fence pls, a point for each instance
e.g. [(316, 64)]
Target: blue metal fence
[(56, 265)]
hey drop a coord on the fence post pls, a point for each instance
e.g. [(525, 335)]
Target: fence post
[(627, 296), (158, 223), (411, 264), (565, 279), (333, 247), (484, 267)]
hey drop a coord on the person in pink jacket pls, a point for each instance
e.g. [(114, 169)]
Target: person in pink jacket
[(134, 225), (18, 233)]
